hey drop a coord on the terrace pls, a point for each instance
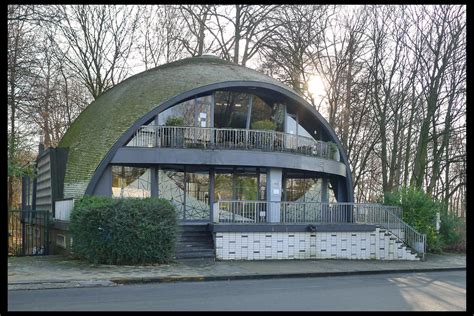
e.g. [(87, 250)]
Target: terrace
[(231, 138)]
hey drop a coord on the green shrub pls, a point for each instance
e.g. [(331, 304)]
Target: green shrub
[(451, 228), (419, 211), (174, 121), (123, 231), (265, 125)]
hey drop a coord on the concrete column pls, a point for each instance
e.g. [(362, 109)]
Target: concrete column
[(211, 195), (274, 186), (325, 190), (154, 181)]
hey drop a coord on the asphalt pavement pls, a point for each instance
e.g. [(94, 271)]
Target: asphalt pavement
[(420, 291), (54, 272)]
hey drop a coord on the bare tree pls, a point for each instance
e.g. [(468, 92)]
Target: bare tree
[(440, 29), (196, 18), (289, 49), (99, 41), (20, 62), (249, 25), (163, 35)]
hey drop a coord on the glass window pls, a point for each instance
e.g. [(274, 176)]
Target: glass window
[(246, 187), (290, 127), (131, 182), (303, 132), (203, 111), (188, 191), (171, 188), (184, 110), (293, 128), (303, 189), (197, 195), (260, 111), (231, 109), (223, 186)]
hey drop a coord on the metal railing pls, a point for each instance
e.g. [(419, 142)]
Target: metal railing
[(230, 138), (385, 216)]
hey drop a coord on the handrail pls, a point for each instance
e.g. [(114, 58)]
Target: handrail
[(228, 138), (385, 216)]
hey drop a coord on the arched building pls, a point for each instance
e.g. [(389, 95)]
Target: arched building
[(233, 149), (233, 121)]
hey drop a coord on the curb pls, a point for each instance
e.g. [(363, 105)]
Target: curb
[(38, 285), (125, 281)]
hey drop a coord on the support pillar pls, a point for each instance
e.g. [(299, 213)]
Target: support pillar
[(325, 190), (154, 181), (274, 186)]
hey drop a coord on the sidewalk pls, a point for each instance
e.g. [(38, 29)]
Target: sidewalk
[(46, 272)]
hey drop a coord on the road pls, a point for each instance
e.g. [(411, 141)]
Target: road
[(405, 292)]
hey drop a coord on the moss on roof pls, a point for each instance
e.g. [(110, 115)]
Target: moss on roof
[(102, 123)]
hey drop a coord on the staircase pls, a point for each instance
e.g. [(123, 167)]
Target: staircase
[(194, 242), (393, 247)]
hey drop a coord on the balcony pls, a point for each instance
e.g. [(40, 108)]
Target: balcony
[(230, 138)]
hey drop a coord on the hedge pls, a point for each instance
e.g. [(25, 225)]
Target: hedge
[(123, 231)]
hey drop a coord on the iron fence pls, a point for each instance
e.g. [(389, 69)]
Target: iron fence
[(28, 232)]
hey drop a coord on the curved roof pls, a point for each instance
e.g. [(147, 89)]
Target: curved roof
[(104, 121)]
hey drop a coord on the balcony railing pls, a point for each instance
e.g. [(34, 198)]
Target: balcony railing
[(231, 138), (259, 212)]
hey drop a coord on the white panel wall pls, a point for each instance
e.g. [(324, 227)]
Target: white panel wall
[(309, 245)]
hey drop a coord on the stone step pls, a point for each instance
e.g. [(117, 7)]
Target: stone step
[(193, 248), (194, 228), (188, 245), (195, 234), (209, 253), (198, 238)]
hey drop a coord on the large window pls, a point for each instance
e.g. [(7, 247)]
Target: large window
[(187, 189), (299, 189), (223, 188), (130, 182), (231, 109), (194, 112), (292, 127), (240, 184), (171, 187), (197, 195)]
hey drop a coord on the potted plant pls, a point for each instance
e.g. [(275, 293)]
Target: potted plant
[(173, 137)]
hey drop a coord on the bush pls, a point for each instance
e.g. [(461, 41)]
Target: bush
[(123, 231), (174, 121), (419, 211), (265, 125), (451, 230)]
